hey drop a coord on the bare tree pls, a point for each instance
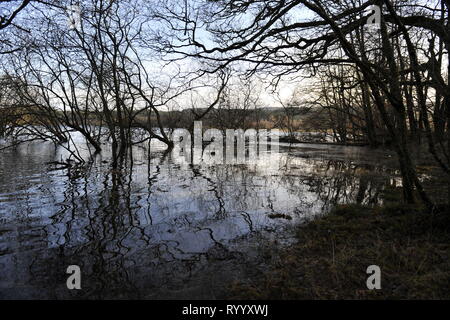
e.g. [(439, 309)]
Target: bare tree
[(274, 38)]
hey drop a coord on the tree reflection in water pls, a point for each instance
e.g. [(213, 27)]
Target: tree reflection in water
[(162, 228)]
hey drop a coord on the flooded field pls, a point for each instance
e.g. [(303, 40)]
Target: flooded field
[(159, 228)]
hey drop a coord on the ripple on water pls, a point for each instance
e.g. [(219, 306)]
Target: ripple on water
[(166, 224)]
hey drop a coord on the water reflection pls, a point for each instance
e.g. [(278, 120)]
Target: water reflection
[(157, 227)]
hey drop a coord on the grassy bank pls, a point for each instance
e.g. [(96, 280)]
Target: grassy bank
[(330, 258)]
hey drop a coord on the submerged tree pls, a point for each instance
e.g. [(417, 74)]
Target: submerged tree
[(102, 74), (395, 70), (97, 74)]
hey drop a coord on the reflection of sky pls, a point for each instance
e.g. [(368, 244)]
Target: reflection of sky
[(160, 213)]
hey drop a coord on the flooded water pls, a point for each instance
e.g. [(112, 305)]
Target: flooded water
[(159, 228)]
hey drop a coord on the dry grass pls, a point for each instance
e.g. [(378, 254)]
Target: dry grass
[(330, 258)]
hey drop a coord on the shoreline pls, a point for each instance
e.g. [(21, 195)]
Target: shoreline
[(332, 253)]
